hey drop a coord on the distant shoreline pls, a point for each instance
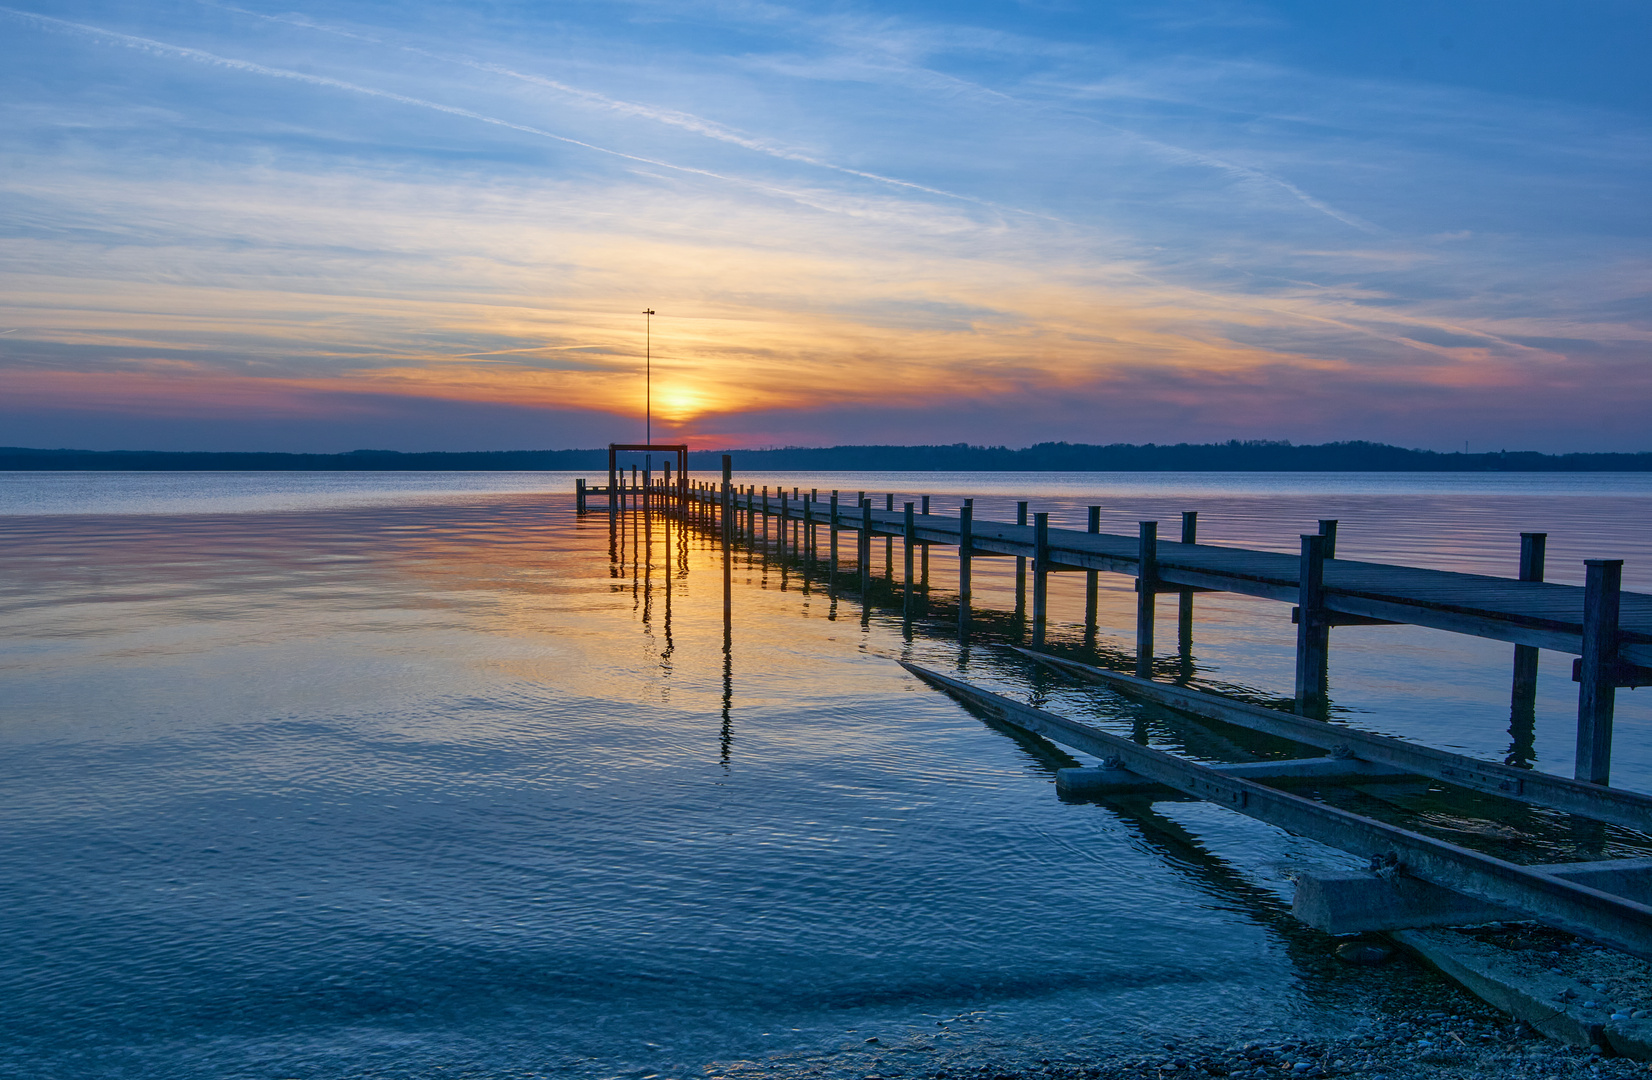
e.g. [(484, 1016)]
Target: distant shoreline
[(1253, 456)]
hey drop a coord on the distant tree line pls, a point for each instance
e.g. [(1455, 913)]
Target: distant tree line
[(1234, 456), (354, 461)]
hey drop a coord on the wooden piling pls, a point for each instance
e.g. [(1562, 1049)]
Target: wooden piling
[(1041, 576), (1184, 602), (1147, 581), (831, 539), (728, 548), (966, 528), (889, 541), (579, 496), (1091, 580), (1020, 570), (1597, 674), (1328, 529), (1523, 698), (865, 540), (728, 499), (910, 542), (785, 523), (1312, 630)]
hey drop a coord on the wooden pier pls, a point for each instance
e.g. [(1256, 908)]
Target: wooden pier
[(1609, 630)]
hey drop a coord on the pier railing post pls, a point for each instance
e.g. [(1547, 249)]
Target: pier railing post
[(1091, 580), (889, 541), (1312, 631), (1328, 529), (911, 541), (923, 553), (1597, 675), (831, 540), (785, 522), (1523, 693), (1147, 582), (966, 530), (728, 502), (1020, 572), (579, 496), (728, 548), (865, 539), (1041, 576), (1184, 601)]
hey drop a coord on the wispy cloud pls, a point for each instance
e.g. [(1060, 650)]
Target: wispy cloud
[(831, 210)]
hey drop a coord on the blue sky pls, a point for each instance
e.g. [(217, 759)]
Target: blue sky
[(325, 226)]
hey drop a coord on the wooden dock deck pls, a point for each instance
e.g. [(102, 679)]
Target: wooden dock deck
[(1542, 614), (1608, 629), (1537, 613)]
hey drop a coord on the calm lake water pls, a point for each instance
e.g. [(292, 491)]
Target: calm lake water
[(406, 775)]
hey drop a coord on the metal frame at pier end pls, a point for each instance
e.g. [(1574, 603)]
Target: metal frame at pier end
[(680, 449)]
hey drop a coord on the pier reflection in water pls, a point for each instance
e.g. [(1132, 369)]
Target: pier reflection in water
[(435, 784)]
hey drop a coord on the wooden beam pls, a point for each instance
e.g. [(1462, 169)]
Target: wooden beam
[(966, 523), (1630, 809), (1147, 579), (1578, 909), (1597, 682), (1312, 630)]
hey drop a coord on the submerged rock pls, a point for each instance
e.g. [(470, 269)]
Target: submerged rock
[(1367, 953)]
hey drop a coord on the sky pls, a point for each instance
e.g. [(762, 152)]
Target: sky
[(295, 225)]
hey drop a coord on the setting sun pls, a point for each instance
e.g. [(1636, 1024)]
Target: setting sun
[(678, 404)]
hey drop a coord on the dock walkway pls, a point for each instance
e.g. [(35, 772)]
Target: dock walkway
[(1538, 613), (1608, 629)]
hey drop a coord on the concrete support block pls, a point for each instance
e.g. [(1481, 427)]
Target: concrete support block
[(1357, 902)]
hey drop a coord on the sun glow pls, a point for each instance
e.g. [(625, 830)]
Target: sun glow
[(679, 404)]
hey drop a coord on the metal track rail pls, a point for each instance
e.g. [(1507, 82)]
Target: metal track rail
[(1614, 805), (1612, 920)]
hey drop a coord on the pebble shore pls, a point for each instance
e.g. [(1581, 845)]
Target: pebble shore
[(1403, 1022), (1451, 1047), (1435, 1046)]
